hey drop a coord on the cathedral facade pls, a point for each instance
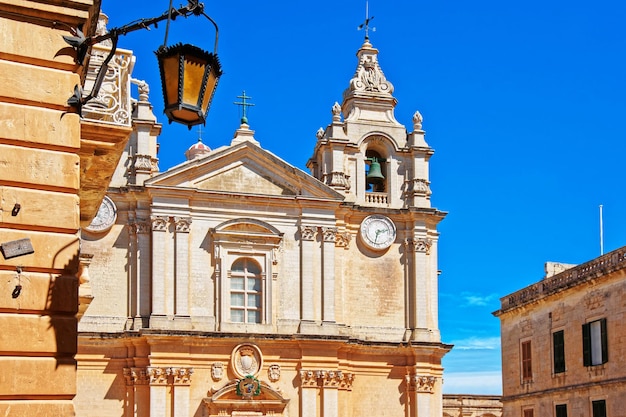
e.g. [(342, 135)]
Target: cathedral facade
[(235, 284)]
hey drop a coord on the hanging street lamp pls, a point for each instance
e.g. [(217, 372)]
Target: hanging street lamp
[(189, 75)]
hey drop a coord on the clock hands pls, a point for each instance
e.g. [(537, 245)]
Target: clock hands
[(379, 231)]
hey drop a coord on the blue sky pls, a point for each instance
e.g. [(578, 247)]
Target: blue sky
[(523, 102)]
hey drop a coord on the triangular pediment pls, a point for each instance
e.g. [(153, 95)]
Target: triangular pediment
[(244, 168)]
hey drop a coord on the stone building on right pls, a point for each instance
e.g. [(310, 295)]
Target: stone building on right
[(564, 342)]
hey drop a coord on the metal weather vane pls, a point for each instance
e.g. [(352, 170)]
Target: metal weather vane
[(366, 24)]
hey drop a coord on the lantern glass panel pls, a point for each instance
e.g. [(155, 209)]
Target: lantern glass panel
[(192, 81), (170, 79)]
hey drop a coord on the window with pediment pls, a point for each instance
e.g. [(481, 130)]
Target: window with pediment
[(246, 259)]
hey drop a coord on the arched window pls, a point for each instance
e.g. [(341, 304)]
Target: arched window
[(245, 291)]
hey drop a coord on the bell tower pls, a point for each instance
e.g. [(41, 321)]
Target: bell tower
[(364, 153)]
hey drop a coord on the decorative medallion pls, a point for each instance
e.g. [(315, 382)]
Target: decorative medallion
[(273, 372), (105, 218), (246, 360), (217, 371), (248, 386)]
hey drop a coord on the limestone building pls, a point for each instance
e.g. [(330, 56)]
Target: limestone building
[(563, 348), (236, 284), (54, 171)]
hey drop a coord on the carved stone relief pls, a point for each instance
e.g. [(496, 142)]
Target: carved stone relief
[(246, 359), (421, 383), (308, 232), (327, 378), (273, 372), (217, 371)]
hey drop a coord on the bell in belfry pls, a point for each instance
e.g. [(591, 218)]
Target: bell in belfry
[(374, 175)]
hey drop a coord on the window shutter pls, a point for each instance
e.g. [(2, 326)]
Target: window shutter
[(587, 344), (599, 408), (605, 345), (558, 345)]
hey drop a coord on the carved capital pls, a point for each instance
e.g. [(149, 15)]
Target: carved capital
[(135, 376), (309, 378), (140, 227), (327, 379), (159, 223), (183, 224), (421, 383), (158, 376), (422, 245), (329, 234), (342, 240), (168, 375), (308, 232), (182, 376)]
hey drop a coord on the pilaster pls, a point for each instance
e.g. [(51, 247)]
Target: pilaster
[(159, 264), (181, 274), (307, 240), (329, 237)]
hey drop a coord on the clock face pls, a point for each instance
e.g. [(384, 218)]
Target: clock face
[(105, 218), (378, 232)]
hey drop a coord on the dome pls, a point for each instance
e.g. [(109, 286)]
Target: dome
[(197, 150)]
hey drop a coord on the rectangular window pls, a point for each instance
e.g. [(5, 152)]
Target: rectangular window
[(558, 347), (595, 346), (527, 362), (529, 413), (561, 410), (599, 408)]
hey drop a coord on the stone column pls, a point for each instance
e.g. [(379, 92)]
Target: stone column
[(181, 274), (159, 264), (307, 234), (328, 273)]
